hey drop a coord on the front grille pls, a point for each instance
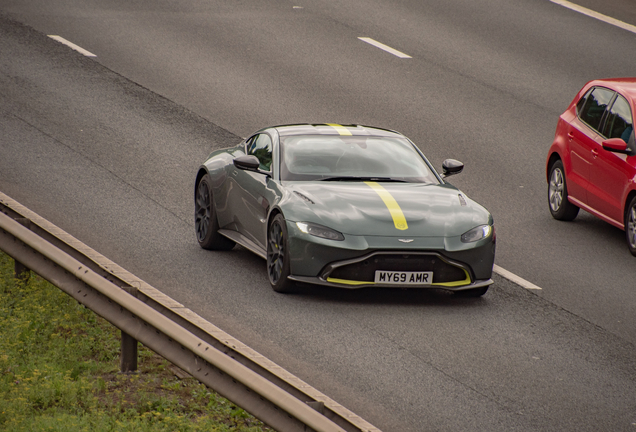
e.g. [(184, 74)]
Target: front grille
[(364, 271)]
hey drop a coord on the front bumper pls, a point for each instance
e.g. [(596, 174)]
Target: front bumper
[(359, 272), (352, 263)]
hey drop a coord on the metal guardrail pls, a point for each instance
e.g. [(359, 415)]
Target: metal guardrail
[(215, 358)]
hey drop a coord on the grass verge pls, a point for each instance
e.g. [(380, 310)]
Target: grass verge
[(59, 371)]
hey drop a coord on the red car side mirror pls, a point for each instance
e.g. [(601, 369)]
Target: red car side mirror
[(616, 145)]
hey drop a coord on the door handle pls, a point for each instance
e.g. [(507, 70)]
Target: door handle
[(570, 135), (595, 153)]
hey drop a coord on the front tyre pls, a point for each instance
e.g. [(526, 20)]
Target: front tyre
[(560, 207), (205, 220), (630, 226), (278, 255)]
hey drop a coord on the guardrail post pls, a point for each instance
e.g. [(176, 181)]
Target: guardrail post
[(318, 406), (22, 272), (129, 346)]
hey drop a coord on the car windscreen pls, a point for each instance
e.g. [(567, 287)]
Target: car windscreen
[(351, 158)]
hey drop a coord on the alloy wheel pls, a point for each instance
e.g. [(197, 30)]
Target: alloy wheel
[(202, 211), (631, 227), (275, 252), (556, 189)]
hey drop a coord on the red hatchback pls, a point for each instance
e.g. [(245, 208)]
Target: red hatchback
[(592, 161)]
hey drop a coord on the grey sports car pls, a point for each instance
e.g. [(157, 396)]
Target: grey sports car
[(345, 206)]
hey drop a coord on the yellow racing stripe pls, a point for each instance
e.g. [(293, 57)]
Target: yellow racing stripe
[(394, 208), (341, 129), (456, 283), (348, 282)]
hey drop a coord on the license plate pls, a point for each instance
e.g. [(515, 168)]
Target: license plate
[(403, 278)]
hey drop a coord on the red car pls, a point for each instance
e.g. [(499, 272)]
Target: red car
[(591, 164)]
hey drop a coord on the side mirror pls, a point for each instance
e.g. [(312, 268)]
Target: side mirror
[(451, 167), (248, 163), (616, 145)]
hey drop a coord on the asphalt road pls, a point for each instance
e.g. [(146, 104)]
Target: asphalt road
[(107, 147)]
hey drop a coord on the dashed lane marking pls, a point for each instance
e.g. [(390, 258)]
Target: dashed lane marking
[(386, 48), (72, 45), (594, 14), (514, 278)]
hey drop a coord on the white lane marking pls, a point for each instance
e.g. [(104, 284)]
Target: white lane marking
[(72, 45), (514, 278), (593, 14), (386, 48)]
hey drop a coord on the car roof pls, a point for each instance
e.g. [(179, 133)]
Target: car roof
[(625, 86), (334, 129)]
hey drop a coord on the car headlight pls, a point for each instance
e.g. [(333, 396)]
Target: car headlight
[(477, 233), (319, 231)]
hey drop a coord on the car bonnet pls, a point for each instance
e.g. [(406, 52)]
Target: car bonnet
[(387, 209)]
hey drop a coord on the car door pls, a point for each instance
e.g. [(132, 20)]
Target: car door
[(610, 173), (583, 137), (249, 201)]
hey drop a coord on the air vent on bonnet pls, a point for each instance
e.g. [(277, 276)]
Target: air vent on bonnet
[(304, 197)]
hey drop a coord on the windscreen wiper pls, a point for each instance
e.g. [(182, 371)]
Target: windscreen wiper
[(354, 178)]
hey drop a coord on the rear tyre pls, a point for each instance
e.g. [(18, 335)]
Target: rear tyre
[(630, 226), (472, 293), (278, 267), (205, 221), (560, 207)]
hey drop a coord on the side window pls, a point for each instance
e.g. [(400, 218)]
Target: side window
[(595, 105), (619, 123), (261, 147), (581, 103)]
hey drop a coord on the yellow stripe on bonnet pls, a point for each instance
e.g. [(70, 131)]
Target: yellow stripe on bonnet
[(341, 129), (394, 208)]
